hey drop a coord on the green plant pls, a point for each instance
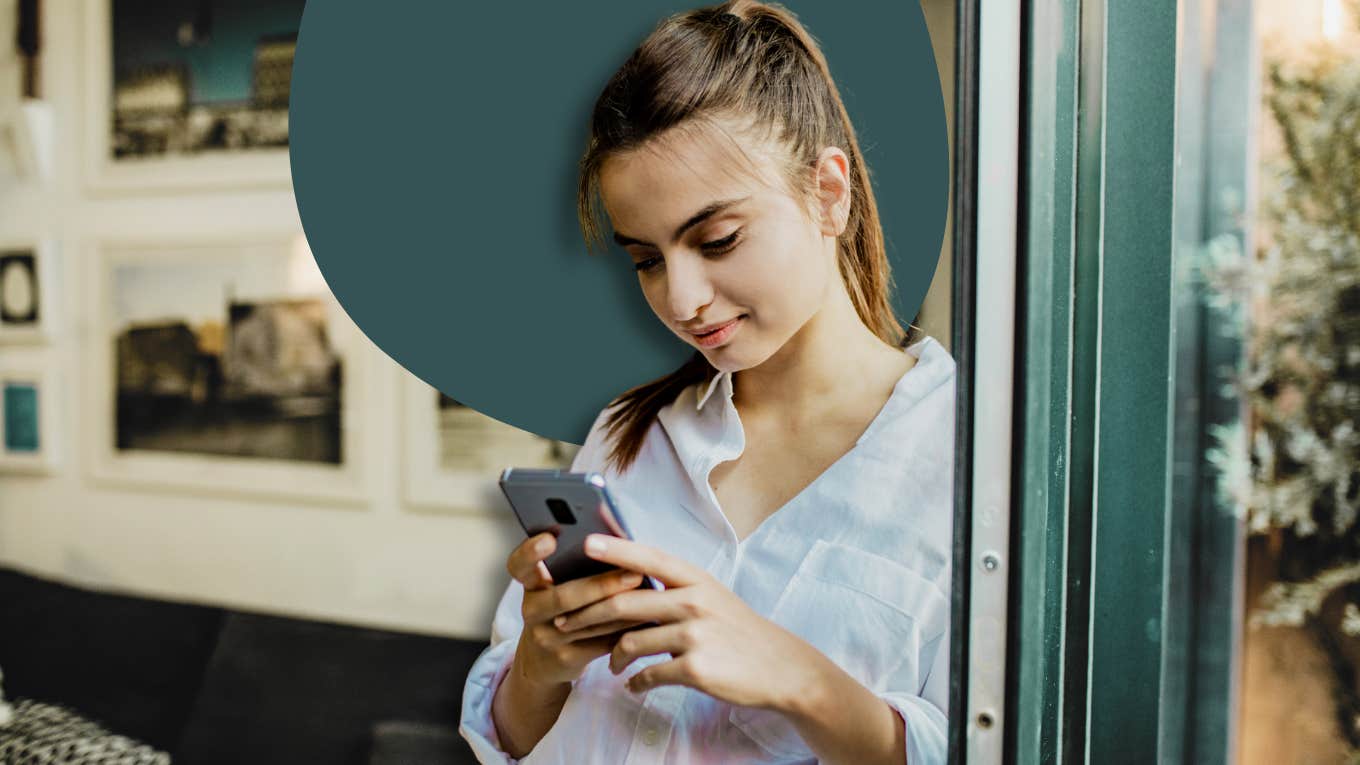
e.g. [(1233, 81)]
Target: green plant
[(1294, 467)]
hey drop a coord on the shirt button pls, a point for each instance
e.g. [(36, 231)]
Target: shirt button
[(651, 737)]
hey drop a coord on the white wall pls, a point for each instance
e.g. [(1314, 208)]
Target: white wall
[(378, 563)]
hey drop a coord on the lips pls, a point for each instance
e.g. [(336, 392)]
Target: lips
[(711, 328), (717, 334)]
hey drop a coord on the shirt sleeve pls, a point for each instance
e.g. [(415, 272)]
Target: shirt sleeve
[(490, 668), (918, 690), (927, 724), (926, 712), (486, 675)]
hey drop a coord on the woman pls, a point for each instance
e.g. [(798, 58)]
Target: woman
[(790, 485)]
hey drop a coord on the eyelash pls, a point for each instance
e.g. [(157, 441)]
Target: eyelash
[(716, 247)]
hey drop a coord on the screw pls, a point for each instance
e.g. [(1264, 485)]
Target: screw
[(991, 561)]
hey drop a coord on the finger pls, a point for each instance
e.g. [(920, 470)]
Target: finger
[(568, 596), (580, 593), (585, 651), (675, 639), (634, 605), (645, 559), (678, 671), (525, 561), (542, 578), (615, 628)]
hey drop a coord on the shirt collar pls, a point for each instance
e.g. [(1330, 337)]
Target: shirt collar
[(722, 378)]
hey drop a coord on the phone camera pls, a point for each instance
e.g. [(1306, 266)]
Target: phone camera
[(561, 511)]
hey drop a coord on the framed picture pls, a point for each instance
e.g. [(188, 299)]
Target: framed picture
[(454, 454), (225, 366), (28, 419), (188, 94), (27, 292)]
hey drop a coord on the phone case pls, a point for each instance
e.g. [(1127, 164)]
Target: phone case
[(571, 506)]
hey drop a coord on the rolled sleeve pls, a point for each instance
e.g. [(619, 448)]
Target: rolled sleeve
[(477, 725), (927, 729), (927, 725)]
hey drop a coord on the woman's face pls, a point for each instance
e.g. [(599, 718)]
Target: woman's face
[(717, 247)]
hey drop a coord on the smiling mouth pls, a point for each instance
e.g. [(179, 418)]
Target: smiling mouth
[(718, 334), (712, 329)]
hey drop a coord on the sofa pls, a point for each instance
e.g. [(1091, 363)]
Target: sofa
[(214, 685)]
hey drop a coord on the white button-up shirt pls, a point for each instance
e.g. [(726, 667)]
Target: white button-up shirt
[(857, 564)]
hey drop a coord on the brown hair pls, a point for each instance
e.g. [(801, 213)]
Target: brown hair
[(754, 60)]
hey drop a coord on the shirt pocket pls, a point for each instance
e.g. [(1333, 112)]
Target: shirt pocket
[(867, 613)]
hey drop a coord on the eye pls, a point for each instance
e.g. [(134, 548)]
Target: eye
[(648, 264), (724, 245)]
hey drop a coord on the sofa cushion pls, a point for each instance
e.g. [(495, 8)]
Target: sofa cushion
[(132, 664), (280, 690), (401, 742)]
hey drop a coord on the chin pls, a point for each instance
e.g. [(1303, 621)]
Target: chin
[(729, 359)]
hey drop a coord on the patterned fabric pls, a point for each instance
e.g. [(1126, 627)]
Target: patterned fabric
[(44, 734)]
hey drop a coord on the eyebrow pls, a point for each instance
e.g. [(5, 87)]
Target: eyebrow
[(694, 220)]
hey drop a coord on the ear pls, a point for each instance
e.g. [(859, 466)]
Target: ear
[(833, 191)]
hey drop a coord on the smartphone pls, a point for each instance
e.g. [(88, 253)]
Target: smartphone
[(570, 506)]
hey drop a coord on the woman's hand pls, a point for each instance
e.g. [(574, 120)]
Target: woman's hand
[(718, 643), (545, 655)]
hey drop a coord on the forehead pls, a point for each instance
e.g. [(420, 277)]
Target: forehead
[(659, 185)]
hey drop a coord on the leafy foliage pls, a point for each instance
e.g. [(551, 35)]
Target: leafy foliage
[(1300, 471), (1294, 466)]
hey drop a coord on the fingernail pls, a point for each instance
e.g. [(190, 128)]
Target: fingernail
[(594, 544), (559, 621)]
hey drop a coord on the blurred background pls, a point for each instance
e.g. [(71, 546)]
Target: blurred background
[(1293, 460), (232, 529)]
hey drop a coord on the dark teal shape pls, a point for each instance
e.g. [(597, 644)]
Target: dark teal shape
[(434, 149)]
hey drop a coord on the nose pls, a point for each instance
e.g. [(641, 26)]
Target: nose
[(688, 287)]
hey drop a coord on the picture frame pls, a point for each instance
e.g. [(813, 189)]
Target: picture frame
[(452, 457), (184, 403), (28, 291), (29, 411), (169, 95)]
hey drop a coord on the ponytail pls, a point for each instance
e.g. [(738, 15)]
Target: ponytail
[(756, 60)]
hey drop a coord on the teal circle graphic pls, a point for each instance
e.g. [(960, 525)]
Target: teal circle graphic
[(434, 151)]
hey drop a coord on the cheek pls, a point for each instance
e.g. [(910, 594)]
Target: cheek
[(773, 281), (654, 291), (795, 276)]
